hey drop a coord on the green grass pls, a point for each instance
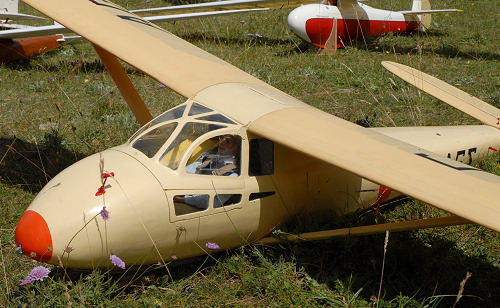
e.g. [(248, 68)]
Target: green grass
[(69, 87)]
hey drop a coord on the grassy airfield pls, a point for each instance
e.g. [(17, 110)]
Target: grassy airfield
[(62, 106)]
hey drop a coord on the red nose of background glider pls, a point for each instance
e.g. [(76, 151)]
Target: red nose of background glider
[(33, 234)]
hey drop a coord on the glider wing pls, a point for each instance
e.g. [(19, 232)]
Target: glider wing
[(225, 5), (447, 93), (59, 29)]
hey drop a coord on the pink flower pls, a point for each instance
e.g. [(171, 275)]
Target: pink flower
[(104, 214), (117, 261), (212, 246), (174, 257)]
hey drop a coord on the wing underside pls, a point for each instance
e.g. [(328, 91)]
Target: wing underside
[(454, 187)]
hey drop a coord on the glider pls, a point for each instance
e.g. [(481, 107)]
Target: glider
[(339, 22), (235, 161)]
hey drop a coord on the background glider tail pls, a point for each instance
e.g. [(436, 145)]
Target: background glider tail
[(11, 6), (425, 20)]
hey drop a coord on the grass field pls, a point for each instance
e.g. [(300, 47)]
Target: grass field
[(62, 106)]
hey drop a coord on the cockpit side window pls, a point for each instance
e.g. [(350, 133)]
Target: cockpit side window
[(189, 133), (218, 156), (172, 114), (261, 157), (151, 142)]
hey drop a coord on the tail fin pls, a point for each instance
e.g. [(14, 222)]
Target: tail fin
[(425, 19), (11, 6)]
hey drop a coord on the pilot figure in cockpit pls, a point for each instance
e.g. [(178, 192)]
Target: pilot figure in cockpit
[(222, 160)]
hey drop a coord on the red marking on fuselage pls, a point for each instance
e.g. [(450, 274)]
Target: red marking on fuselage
[(319, 29)]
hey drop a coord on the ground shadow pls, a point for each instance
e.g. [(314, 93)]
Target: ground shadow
[(30, 165), (413, 267), (79, 66)]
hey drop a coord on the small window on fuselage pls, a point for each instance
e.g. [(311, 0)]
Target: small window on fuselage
[(187, 204)]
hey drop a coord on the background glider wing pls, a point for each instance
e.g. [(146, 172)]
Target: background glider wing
[(226, 5), (19, 16), (59, 29), (447, 93), (33, 32), (460, 189)]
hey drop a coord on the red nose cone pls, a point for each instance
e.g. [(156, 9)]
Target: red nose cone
[(33, 234)]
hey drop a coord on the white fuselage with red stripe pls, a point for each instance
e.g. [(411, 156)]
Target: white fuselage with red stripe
[(314, 22)]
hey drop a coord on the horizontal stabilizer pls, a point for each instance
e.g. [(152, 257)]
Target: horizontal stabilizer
[(430, 12), (447, 93)]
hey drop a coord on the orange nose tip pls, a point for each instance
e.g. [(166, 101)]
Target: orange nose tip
[(33, 234)]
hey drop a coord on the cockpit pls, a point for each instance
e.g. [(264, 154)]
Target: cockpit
[(169, 136)]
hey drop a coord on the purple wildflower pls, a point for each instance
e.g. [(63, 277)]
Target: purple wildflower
[(25, 281), (251, 34), (104, 214), (39, 272), (242, 22), (258, 35), (161, 86), (117, 261), (1, 79), (147, 1), (212, 246)]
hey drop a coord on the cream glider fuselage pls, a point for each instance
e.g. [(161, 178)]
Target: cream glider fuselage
[(274, 183)]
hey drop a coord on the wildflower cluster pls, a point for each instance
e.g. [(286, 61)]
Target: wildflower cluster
[(37, 273)]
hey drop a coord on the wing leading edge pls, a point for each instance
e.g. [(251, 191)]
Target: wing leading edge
[(454, 187), (182, 66)]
